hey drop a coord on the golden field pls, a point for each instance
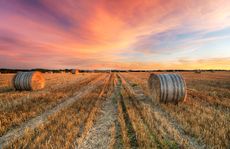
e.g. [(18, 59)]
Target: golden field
[(114, 110)]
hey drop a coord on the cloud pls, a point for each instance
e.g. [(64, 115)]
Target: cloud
[(211, 63), (172, 41), (107, 33)]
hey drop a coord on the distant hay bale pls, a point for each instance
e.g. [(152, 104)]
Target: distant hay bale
[(197, 71), (167, 88), (75, 71), (213, 71), (28, 81)]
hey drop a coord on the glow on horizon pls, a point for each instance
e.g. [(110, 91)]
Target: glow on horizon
[(122, 34)]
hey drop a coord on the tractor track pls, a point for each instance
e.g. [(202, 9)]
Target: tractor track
[(89, 138), (88, 122), (137, 108), (129, 127)]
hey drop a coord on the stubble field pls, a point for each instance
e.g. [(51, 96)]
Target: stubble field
[(114, 110)]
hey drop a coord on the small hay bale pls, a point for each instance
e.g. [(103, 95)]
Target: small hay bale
[(28, 81), (167, 88), (197, 71), (75, 71)]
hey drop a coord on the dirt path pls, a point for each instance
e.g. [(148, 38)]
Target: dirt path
[(43, 118), (166, 125), (89, 121), (101, 134)]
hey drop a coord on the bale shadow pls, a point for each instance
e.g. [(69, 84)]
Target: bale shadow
[(6, 89)]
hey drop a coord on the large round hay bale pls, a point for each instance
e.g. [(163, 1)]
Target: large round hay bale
[(28, 81), (167, 88), (75, 71)]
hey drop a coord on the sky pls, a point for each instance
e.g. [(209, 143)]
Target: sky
[(115, 34)]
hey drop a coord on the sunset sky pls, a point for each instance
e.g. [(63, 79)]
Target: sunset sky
[(115, 34)]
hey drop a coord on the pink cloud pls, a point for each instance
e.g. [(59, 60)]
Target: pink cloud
[(103, 33)]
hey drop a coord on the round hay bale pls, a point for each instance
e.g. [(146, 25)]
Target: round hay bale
[(197, 71), (28, 81), (167, 88), (75, 71)]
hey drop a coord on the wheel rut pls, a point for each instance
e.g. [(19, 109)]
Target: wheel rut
[(103, 125)]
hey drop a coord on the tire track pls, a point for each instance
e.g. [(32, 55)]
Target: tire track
[(131, 134), (87, 124), (140, 122), (130, 130), (116, 140), (101, 128)]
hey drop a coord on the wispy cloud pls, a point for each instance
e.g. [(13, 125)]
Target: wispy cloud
[(114, 34)]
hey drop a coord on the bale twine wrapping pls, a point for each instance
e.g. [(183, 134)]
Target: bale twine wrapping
[(167, 88), (28, 81), (75, 71)]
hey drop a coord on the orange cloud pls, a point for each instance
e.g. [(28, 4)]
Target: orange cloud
[(107, 33)]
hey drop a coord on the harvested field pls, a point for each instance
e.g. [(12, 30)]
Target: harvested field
[(114, 110)]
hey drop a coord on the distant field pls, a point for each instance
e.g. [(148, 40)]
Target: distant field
[(114, 110)]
